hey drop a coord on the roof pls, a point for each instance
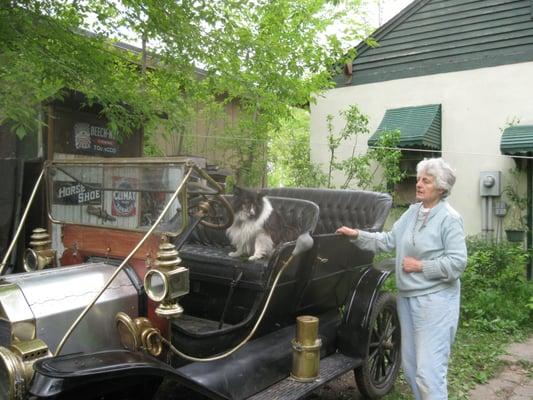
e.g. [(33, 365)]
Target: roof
[(133, 49), (419, 126), (437, 36), (517, 139)]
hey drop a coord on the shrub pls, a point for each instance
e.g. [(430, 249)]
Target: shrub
[(495, 292)]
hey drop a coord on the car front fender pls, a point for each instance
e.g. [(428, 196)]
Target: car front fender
[(75, 374), (353, 331)]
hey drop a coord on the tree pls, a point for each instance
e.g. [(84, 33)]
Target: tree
[(270, 54), (378, 169), (45, 50), (290, 154), (277, 56)]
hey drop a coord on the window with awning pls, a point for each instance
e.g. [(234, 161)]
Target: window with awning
[(420, 126), (517, 139)]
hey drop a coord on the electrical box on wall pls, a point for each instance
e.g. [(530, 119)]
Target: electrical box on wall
[(490, 183)]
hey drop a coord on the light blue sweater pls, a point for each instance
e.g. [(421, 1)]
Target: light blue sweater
[(438, 240)]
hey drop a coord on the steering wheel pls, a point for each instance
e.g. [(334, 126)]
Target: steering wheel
[(206, 203)]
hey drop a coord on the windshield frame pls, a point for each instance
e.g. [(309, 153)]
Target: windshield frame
[(187, 164)]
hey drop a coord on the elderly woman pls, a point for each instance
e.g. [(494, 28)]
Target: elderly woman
[(430, 247)]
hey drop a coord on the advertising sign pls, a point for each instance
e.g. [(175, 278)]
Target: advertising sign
[(74, 193), (93, 139), (124, 202)]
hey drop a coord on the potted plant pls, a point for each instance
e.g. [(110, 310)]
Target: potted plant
[(515, 222)]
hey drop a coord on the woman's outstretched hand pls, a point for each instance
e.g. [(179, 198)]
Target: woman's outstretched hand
[(344, 230)]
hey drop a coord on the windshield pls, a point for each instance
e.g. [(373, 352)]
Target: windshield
[(118, 195)]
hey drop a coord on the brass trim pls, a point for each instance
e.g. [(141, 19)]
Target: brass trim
[(15, 310), (21, 223), (306, 350), (30, 349), (151, 340), (223, 200), (43, 258), (148, 287), (142, 323), (123, 319), (15, 371), (169, 309), (142, 334), (306, 330), (18, 363), (124, 161)]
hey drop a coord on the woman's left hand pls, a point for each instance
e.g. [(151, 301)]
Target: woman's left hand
[(410, 264)]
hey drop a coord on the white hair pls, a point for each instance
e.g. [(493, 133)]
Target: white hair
[(442, 172)]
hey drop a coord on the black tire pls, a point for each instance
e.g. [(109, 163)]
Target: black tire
[(375, 378)]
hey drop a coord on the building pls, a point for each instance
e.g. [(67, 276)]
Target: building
[(452, 75)]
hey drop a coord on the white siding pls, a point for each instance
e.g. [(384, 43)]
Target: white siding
[(476, 104)]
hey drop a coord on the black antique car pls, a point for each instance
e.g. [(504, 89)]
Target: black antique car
[(96, 314)]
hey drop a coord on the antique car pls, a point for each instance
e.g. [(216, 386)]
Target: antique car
[(130, 293)]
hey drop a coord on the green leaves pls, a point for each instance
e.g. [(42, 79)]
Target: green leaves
[(265, 56), (289, 149), (378, 169), (495, 292)]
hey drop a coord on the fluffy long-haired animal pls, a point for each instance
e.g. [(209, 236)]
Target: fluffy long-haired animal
[(257, 227)]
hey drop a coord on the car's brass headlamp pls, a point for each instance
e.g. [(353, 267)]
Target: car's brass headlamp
[(167, 281), (40, 253), (16, 367), (138, 333)]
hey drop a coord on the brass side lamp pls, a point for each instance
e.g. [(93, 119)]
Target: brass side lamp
[(167, 281), (40, 253)]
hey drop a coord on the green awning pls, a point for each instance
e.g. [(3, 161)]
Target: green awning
[(420, 126), (517, 139)]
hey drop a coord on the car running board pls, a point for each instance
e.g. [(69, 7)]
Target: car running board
[(330, 368)]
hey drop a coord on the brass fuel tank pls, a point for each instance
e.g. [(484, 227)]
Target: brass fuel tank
[(306, 349)]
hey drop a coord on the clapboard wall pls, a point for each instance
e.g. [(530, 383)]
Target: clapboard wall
[(439, 36)]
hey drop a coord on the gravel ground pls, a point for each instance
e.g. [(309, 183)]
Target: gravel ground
[(342, 388)]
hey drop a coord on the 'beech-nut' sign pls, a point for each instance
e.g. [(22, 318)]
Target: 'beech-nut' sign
[(93, 139)]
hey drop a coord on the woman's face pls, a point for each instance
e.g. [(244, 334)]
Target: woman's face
[(426, 191)]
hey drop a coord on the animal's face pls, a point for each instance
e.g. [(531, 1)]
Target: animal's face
[(247, 204)]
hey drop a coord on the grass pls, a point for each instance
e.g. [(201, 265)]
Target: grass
[(474, 361)]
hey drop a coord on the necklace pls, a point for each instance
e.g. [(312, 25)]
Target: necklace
[(424, 220)]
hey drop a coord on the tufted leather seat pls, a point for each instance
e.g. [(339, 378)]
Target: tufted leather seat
[(206, 253), (355, 208)]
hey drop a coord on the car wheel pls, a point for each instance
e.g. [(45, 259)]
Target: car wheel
[(375, 378)]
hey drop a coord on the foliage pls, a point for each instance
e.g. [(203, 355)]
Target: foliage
[(382, 160), (495, 291), (44, 51), (267, 55), (273, 57), (290, 154), (516, 198), (387, 158)]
